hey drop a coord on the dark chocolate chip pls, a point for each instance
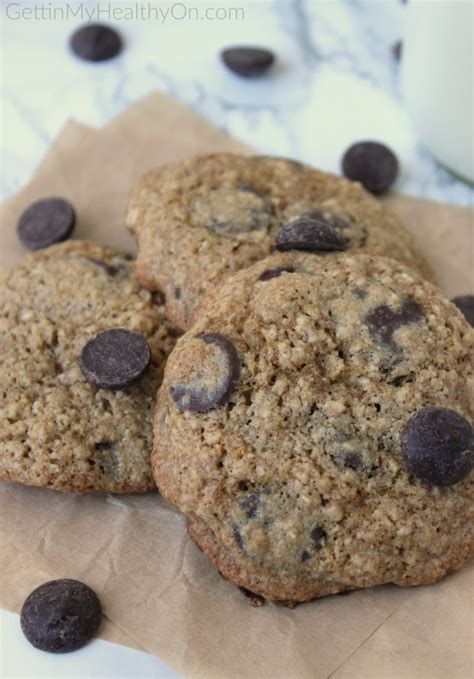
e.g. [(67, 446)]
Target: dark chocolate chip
[(250, 503), (372, 164), (60, 616), (115, 358), (200, 399), (465, 304), (248, 62), (96, 42), (103, 445), (384, 321), (274, 273), (256, 600), (48, 221), (237, 536), (318, 535), (309, 234), (158, 298), (438, 446), (305, 555), (397, 50)]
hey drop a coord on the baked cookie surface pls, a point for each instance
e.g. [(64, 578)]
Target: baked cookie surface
[(279, 427), (56, 429), (208, 216)]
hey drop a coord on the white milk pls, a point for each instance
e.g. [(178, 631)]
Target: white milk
[(438, 79)]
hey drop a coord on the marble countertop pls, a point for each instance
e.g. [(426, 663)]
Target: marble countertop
[(335, 80)]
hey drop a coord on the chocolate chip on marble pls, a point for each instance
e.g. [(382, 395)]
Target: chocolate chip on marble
[(317, 535), (247, 62), (383, 321), (438, 446), (45, 222), (96, 42), (465, 304), (115, 359), (60, 616), (311, 235), (372, 164), (274, 273), (201, 399)]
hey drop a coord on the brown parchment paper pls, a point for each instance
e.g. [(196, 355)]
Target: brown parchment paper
[(159, 592)]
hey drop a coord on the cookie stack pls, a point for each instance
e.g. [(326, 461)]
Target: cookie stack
[(313, 422)]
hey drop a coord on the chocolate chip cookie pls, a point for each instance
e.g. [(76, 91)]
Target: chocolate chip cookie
[(201, 219), (314, 425), (58, 428)]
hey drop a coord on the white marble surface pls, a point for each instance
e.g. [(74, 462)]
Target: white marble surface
[(335, 81)]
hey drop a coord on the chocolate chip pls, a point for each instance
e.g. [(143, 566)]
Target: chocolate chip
[(305, 555), (438, 446), (103, 445), (250, 503), (397, 50), (372, 164), (60, 616), (237, 536), (248, 62), (384, 321), (201, 399), (318, 535), (158, 298), (309, 234), (48, 221), (465, 304), (274, 273), (256, 600), (115, 358), (96, 42)]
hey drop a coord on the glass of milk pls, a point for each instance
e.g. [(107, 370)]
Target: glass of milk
[(438, 79)]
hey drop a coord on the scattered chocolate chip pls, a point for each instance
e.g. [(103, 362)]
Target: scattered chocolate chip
[(465, 304), (60, 616), (103, 445), (45, 222), (372, 164), (318, 535), (309, 234), (250, 503), (305, 555), (384, 321), (158, 298), (438, 446), (248, 62), (115, 358), (200, 399), (274, 273), (397, 50), (256, 600), (95, 42), (237, 536)]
